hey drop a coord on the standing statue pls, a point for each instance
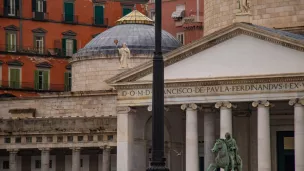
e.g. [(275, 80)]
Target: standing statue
[(244, 6), (125, 54), (227, 155)]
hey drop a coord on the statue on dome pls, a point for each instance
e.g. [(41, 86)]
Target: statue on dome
[(227, 155), (125, 54), (244, 6)]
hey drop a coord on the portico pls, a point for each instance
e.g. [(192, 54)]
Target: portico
[(240, 80)]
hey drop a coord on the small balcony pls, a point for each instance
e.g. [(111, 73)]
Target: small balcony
[(30, 50), (70, 19), (32, 86), (9, 12), (99, 21), (40, 16)]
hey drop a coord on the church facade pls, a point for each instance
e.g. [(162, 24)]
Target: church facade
[(244, 79)]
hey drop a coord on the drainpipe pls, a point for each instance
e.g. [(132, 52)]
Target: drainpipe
[(20, 24), (197, 10)]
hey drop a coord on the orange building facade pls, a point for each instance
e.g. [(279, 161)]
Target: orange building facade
[(181, 18), (37, 37)]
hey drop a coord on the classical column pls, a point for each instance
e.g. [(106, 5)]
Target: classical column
[(76, 159), (264, 151), (13, 159), (45, 159), (209, 136), (191, 137), (106, 158), (225, 117), (298, 132), (124, 138)]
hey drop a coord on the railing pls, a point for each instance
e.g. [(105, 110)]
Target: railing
[(30, 50), (99, 21), (40, 16), (32, 86), (68, 18), (9, 12)]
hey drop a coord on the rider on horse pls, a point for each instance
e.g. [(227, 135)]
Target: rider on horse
[(232, 150)]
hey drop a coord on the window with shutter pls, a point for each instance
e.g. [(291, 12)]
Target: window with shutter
[(12, 7), (68, 12), (42, 80), (11, 42), (99, 15), (126, 11), (14, 78), (67, 81)]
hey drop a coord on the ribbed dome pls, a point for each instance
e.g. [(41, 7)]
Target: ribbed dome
[(138, 37)]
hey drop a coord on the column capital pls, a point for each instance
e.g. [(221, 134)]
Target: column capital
[(106, 148), (264, 103), (296, 101), (75, 148), (125, 110), (44, 149), (226, 104), (13, 150), (192, 106), (149, 108)]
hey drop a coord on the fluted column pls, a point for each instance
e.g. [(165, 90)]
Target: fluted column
[(106, 158), (225, 117), (298, 132), (45, 159), (191, 137), (76, 159), (124, 138), (264, 150), (209, 136), (13, 159)]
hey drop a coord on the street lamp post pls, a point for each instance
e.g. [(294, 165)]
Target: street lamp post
[(158, 162)]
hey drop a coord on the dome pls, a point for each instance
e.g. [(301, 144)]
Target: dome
[(136, 30)]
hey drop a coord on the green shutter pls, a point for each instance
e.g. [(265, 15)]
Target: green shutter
[(36, 76), (66, 81), (63, 47), (126, 11), (15, 78), (99, 15), (45, 80), (74, 46), (34, 5), (7, 41), (69, 11)]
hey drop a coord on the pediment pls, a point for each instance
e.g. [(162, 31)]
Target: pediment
[(240, 50), (14, 63), (11, 28), (69, 33), (44, 65), (39, 30)]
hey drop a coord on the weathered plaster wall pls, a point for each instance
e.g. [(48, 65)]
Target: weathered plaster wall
[(90, 74), (274, 13), (63, 106)]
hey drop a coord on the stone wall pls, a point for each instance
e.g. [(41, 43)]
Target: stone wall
[(269, 13), (63, 106), (90, 74)]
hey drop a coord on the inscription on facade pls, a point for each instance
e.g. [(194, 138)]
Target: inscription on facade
[(219, 89)]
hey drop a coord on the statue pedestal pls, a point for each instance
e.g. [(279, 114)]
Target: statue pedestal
[(242, 18)]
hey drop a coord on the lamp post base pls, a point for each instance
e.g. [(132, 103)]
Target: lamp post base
[(157, 166)]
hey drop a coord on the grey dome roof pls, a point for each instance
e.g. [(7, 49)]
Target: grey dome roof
[(138, 37)]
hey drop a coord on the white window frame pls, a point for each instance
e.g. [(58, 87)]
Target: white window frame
[(12, 47), (179, 35), (69, 51), (12, 9), (40, 43), (9, 75), (49, 78), (39, 5)]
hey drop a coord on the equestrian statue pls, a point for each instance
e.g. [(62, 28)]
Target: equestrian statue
[(227, 155)]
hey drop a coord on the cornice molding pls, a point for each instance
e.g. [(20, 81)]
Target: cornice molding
[(39, 30), (11, 28), (205, 43), (69, 33), (14, 63)]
